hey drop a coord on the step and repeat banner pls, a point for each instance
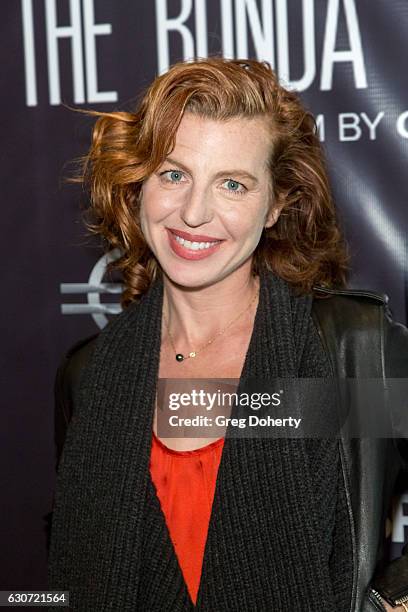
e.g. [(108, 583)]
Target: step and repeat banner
[(348, 60)]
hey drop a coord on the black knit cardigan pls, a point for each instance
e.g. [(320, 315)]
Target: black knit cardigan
[(278, 538)]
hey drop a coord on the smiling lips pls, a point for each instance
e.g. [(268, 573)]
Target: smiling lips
[(192, 246)]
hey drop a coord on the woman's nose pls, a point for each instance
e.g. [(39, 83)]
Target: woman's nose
[(197, 208)]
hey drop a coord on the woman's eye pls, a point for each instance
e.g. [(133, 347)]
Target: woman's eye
[(172, 176), (176, 176), (234, 187)]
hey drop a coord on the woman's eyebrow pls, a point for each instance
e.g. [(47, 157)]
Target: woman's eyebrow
[(221, 173)]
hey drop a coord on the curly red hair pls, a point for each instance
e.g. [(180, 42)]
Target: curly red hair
[(305, 246)]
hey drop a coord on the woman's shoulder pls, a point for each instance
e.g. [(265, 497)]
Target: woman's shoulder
[(66, 386), (74, 361), (79, 353), (351, 296), (360, 323), (348, 309)]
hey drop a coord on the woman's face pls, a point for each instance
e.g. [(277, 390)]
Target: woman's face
[(203, 210)]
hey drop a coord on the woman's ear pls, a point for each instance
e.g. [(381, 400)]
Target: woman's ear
[(275, 209), (272, 217)]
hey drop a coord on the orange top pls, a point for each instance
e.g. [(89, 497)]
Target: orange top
[(185, 485)]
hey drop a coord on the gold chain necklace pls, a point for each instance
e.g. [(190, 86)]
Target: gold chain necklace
[(180, 357)]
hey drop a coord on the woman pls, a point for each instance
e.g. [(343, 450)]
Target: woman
[(215, 191)]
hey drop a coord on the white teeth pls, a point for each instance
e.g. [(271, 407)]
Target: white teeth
[(194, 246)]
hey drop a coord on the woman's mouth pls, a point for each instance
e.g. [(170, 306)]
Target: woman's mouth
[(194, 248)]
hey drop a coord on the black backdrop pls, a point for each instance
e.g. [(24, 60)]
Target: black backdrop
[(348, 59)]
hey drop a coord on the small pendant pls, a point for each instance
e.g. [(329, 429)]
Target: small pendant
[(179, 357), (192, 354)]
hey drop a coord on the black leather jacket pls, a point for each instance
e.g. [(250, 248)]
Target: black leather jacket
[(362, 341)]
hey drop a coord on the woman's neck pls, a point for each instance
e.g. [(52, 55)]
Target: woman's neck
[(194, 315)]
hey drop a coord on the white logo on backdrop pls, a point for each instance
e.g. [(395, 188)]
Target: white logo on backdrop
[(93, 290)]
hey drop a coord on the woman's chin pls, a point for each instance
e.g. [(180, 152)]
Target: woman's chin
[(191, 279), (188, 281)]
